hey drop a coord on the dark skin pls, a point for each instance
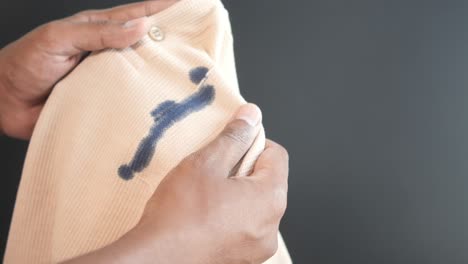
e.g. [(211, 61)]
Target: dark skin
[(243, 220)]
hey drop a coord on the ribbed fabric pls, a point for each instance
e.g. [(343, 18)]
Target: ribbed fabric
[(74, 197)]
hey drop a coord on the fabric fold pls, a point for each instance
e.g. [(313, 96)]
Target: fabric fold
[(115, 126)]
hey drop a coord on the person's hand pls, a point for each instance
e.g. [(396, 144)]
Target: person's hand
[(32, 65), (226, 219), (198, 214)]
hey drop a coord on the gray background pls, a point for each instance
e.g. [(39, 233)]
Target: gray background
[(370, 99)]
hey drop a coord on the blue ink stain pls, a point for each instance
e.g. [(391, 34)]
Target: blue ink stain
[(198, 74), (165, 115)]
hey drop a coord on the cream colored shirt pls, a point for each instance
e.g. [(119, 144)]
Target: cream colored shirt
[(103, 141)]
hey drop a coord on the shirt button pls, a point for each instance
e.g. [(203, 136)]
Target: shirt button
[(156, 33)]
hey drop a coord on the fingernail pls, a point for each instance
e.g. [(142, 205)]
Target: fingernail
[(134, 22), (250, 113)]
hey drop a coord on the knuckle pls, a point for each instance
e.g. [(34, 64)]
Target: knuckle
[(275, 202), (268, 247), (91, 15), (283, 152), (48, 35), (262, 241), (83, 14), (280, 201), (49, 30), (251, 236)]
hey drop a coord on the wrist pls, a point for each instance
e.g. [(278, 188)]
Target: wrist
[(143, 245), (160, 245)]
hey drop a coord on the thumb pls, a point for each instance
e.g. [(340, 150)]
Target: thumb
[(92, 36), (234, 141)]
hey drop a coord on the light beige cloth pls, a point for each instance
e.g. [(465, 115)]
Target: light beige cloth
[(89, 171)]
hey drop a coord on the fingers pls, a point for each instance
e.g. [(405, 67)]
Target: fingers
[(117, 27), (97, 36), (125, 12), (224, 152), (270, 176), (273, 164)]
